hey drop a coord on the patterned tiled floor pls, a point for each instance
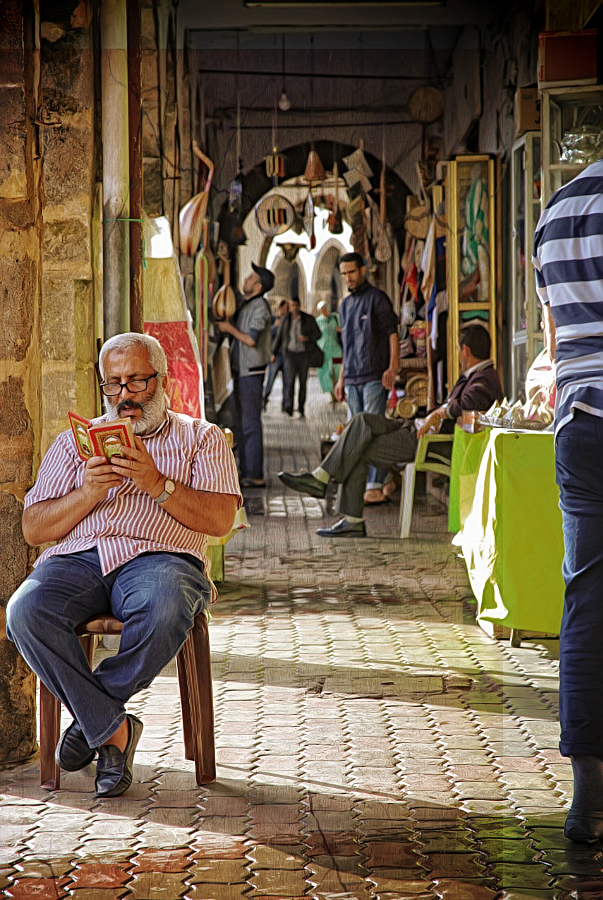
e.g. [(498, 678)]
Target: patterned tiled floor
[(372, 741)]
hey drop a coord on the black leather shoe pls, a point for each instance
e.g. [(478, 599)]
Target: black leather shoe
[(584, 826), (114, 768), (305, 483), (73, 751), (343, 528)]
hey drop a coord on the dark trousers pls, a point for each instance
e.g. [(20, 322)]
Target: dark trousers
[(579, 463), (273, 369), (247, 424), (296, 366), (156, 596), (366, 440)]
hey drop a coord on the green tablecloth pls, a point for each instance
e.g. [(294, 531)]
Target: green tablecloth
[(467, 451), (511, 534)]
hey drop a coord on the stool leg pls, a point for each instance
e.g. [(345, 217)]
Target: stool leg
[(50, 729), (406, 500), (187, 716), (88, 642), (194, 661)]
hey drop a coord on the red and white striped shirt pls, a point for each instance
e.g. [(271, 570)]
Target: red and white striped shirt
[(128, 521)]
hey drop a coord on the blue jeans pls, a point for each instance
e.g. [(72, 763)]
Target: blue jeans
[(155, 595), (247, 424), (371, 398), (579, 464)]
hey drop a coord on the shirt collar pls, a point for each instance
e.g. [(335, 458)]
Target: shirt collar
[(165, 425), (480, 365)]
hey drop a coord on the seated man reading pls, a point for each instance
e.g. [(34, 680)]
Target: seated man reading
[(370, 440), (130, 539)]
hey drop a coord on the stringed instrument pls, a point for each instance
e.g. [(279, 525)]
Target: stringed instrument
[(191, 215), (225, 301), (383, 250), (309, 219), (334, 222)]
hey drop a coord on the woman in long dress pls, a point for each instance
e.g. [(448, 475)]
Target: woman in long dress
[(329, 343)]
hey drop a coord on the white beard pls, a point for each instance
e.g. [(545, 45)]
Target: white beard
[(153, 412)]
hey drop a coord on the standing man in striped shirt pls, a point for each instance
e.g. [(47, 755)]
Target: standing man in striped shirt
[(568, 257), (130, 539)]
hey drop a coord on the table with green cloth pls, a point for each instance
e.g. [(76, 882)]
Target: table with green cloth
[(511, 534), (467, 451)]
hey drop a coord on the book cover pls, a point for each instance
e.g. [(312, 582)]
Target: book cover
[(79, 427), (106, 439)]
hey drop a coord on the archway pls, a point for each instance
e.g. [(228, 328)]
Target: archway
[(289, 280), (256, 184), (290, 255), (327, 283)]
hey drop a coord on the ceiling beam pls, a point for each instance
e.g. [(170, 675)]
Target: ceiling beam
[(312, 76)]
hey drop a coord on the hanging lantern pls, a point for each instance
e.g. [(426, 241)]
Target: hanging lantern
[(314, 171), (275, 165)]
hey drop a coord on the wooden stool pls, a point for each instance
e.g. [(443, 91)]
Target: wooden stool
[(196, 699)]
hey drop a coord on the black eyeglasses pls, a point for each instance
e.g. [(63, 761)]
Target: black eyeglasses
[(137, 386)]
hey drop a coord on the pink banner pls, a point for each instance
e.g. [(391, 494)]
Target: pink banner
[(184, 386)]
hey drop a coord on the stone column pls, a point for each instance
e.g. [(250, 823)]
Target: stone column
[(72, 279), (48, 271), (20, 253)]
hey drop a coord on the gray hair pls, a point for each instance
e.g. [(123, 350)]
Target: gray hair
[(157, 357)]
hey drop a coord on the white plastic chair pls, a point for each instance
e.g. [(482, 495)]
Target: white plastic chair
[(427, 459)]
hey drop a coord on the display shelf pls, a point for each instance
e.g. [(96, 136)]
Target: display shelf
[(471, 305), (470, 250), (572, 126), (413, 362), (566, 167)]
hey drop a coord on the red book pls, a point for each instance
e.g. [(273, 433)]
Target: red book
[(106, 439)]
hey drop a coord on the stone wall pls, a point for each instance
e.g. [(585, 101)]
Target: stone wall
[(20, 275)]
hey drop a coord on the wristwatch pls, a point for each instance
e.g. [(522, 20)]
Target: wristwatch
[(168, 489)]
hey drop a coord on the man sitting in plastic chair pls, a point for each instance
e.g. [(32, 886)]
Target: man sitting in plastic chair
[(370, 440)]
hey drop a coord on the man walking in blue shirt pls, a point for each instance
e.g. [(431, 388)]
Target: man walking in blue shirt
[(369, 336)]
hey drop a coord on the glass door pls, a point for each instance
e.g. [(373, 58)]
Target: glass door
[(527, 336)]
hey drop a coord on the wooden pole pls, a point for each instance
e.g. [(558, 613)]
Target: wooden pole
[(116, 192), (135, 144)]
